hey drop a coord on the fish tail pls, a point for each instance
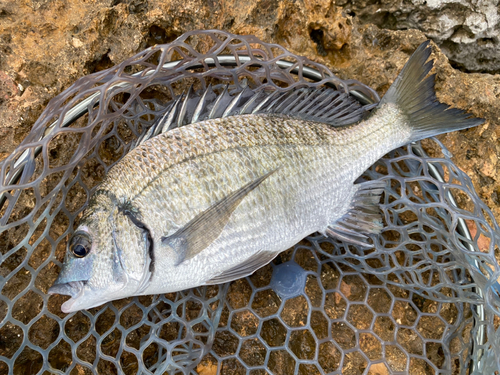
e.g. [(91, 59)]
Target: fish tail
[(413, 93)]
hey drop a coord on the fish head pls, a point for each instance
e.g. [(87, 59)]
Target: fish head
[(106, 258)]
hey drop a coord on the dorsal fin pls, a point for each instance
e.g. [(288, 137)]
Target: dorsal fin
[(326, 105)]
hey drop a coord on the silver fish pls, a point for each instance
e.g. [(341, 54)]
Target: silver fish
[(214, 200)]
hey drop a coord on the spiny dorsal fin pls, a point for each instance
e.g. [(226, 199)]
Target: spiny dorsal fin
[(207, 96), (184, 108), (324, 105), (204, 228)]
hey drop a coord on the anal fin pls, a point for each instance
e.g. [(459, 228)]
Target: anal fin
[(363, 217), (249, 266)]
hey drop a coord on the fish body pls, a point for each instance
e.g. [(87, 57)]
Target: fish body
[(315, 164), (215, 200)]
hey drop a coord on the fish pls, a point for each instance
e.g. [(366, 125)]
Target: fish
[(223, 183)]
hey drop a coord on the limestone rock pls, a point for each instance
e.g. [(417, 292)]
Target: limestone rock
[(467, 31)]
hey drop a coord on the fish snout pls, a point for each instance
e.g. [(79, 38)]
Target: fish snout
[(72, 288)]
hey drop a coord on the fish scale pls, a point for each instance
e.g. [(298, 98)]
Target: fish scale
[(311, 187), (217, 135), (212, 201)]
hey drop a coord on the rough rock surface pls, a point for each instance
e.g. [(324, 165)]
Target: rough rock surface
[(467, 31), (46, 44)]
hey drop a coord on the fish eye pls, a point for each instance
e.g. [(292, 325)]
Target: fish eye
[(80, 244)]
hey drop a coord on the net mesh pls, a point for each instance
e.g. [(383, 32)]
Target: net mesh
[(423, 301)]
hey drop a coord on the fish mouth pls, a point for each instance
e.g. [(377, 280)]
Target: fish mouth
[(73, 289)]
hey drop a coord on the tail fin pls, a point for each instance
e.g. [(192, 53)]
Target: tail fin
[(415, 96)]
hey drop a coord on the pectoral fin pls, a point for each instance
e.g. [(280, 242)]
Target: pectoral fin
[(204, 228)]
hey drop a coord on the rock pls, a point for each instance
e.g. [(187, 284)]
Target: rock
[(45, 45), (467, 31)]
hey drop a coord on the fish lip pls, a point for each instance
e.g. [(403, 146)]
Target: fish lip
[(80, 298), (73, 289)]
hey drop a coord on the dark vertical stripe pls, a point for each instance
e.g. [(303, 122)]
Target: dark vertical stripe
[(151, 251)]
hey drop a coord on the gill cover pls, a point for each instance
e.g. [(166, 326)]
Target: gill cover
[(134, 247)]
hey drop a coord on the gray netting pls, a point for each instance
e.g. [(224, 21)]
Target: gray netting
[(422, 301)]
